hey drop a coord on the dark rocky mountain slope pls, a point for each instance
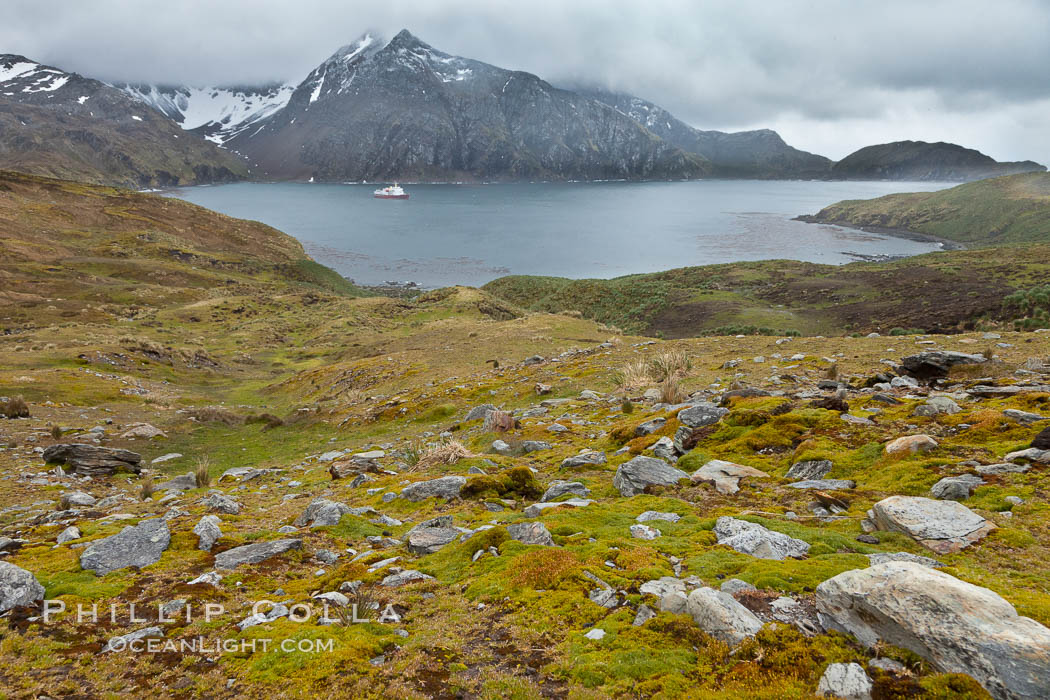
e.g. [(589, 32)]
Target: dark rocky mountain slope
[(760, 153), (404, 110), (65, 125)]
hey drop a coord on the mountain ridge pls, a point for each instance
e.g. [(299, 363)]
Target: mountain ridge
[(62, 124)]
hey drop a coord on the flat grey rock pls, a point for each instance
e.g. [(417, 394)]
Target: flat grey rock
[(92, 460), (883, 557), (447, 487), (254, 553), (536, 509), (557, 489), (758, 541), (138, 545), (584, 459), (403, 578), (633, 477), (824, 484), (725, 476), (942, 526), (428, 540), (701, 414)]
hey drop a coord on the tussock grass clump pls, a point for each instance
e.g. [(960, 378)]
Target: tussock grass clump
[(448, 452), (14, 408), (671, 391), (633, 375), (202, 472), (147, 489), (56, 432), (669, 365)]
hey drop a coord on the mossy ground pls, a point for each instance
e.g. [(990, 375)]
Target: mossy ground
[(351, 372)]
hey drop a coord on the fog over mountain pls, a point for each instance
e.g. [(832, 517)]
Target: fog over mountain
[(829, 75)]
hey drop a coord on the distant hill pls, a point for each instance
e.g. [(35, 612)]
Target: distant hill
[(1011, 209), (65, 125), (918, 160)]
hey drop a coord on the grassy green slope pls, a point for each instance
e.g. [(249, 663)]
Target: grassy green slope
[(1012, 209)]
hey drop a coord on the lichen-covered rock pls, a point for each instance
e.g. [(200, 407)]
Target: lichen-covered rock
[(942, 526), (721, 616), (447, 487), (138, 545), (254, 553), (809, 470), (531, 533), (221, 503), (957, 626), (725, 476), (76, 499), (937, 406), (758, 541), (633, 477), (936, 363), (183, 482), (18, 587)]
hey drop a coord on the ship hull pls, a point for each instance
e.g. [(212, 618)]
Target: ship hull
[(390, 196)]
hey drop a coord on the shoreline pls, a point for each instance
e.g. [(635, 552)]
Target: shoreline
[(907, 234)]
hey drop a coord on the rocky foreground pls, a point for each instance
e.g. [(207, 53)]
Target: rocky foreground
[(727, 517)]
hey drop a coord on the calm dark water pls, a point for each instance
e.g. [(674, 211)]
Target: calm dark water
[(471, 234)]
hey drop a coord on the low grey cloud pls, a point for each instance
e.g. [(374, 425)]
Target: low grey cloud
[(831, 75)]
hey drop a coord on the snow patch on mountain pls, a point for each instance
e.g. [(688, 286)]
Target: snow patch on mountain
[(218, 112)]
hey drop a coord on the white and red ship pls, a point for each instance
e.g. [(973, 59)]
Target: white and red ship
[(393, 192)]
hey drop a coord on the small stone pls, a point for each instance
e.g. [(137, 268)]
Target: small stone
[(911, 443), (845, 681), (644, 532), (207, 532), (531, 533)]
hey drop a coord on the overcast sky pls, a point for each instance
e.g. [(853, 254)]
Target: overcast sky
[(829, 75)]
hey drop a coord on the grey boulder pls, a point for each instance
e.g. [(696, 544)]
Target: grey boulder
[(758, 541), (956, 488), (584, 459), (557, 489), (531, 533), (701, 414), (942, 526), (445, 487), (92, 460), (721, 616), (18, 587), (957, 626), (137, 545), (427, 540), (633, 477), (847, 681), (207, 531)]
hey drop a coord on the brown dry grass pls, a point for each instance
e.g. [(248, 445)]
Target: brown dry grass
[(14, 408), (448, 452)]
